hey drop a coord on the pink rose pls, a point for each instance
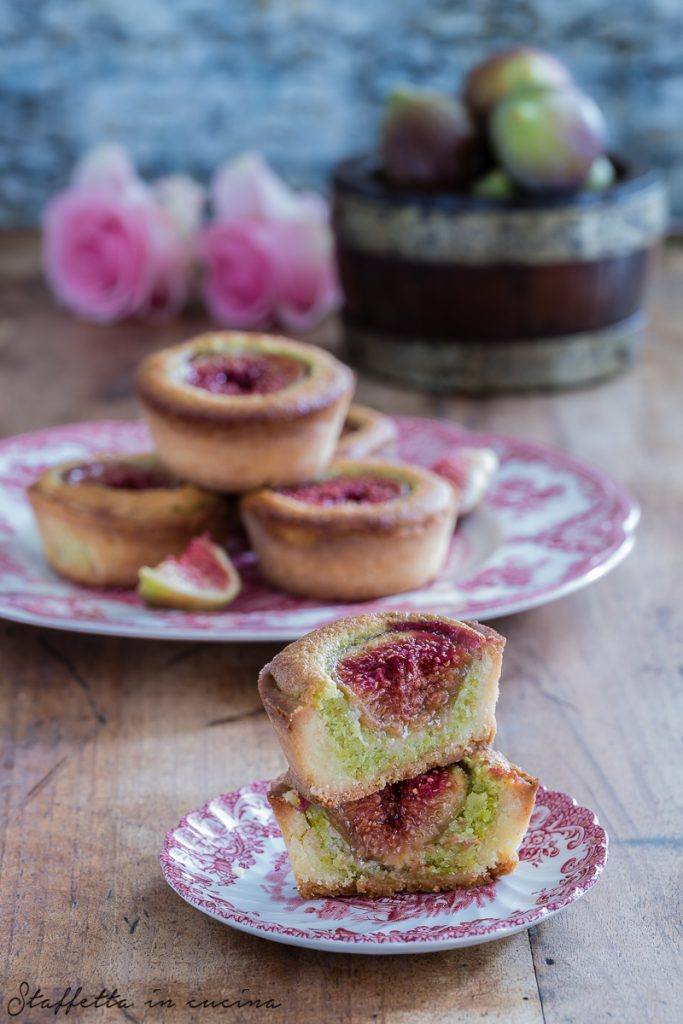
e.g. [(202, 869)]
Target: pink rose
[(269, 255), (98, 253), (112, 249), (306, 281), (108, 256), (239, 272)]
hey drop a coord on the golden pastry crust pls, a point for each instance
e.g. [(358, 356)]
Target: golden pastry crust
[(354, 551), (100, 535), (336, 753), (367, 433), (324, 864), (235, 442)]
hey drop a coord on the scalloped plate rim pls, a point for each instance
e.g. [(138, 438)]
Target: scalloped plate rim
[(166, 630), (392, 948)]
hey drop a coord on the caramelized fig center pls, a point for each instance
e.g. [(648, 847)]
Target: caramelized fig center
[(342, 490), (243, 374), (403, 817), (124, 476), (408, 673)]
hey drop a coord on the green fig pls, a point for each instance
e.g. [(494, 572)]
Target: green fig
[(495, 185), (201, 579), (547, 139), (509, 70), (601, 174), (428, 139)]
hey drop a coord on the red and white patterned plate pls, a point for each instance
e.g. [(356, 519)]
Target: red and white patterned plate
[(549, 526), (228, 859)]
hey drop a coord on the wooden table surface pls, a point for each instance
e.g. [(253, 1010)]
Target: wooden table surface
[(107, 742)]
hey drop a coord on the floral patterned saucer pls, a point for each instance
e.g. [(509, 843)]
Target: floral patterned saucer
[(228, 860), (549, 526)]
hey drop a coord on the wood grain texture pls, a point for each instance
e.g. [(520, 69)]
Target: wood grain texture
[(107, 742)]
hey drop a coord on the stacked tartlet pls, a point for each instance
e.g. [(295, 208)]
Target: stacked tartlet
[(386, 721), (261, 427)]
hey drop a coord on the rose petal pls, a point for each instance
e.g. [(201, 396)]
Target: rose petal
[(246, 188), (106, 166)]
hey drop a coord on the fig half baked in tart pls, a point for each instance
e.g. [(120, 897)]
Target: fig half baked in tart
[(449, 827), (234, 411), (363, 529), (366, 433), (374, 699), (101, 520)]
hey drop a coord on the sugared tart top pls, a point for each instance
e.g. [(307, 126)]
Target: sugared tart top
[(357, 492), (232, 375), (365, 433)]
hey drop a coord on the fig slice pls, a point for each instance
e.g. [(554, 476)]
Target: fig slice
[(471, 471), (407, 674), (392, 825), (201, 579)]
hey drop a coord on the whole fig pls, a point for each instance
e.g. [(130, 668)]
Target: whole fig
[(509, 70), (601, 174), (547, 139), (428, 139), (494, 185)]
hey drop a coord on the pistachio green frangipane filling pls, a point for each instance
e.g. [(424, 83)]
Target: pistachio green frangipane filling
[(365, 752), (473, 825)]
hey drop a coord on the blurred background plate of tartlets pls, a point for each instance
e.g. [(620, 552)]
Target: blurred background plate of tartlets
[(518, 549)]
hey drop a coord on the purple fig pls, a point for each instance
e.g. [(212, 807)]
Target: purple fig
[(547, 139), (601, 174), (428, 139), (509, 70), (494, 185)]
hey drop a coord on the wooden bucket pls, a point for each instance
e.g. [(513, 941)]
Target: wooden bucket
[(456, 293)]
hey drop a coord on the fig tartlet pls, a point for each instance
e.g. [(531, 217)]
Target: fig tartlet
[(450, 827), (374, 699), (234, 411), (364, 529), (366, 433), (101, 520)]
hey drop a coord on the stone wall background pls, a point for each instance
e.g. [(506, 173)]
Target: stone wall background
[(187, 83)]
